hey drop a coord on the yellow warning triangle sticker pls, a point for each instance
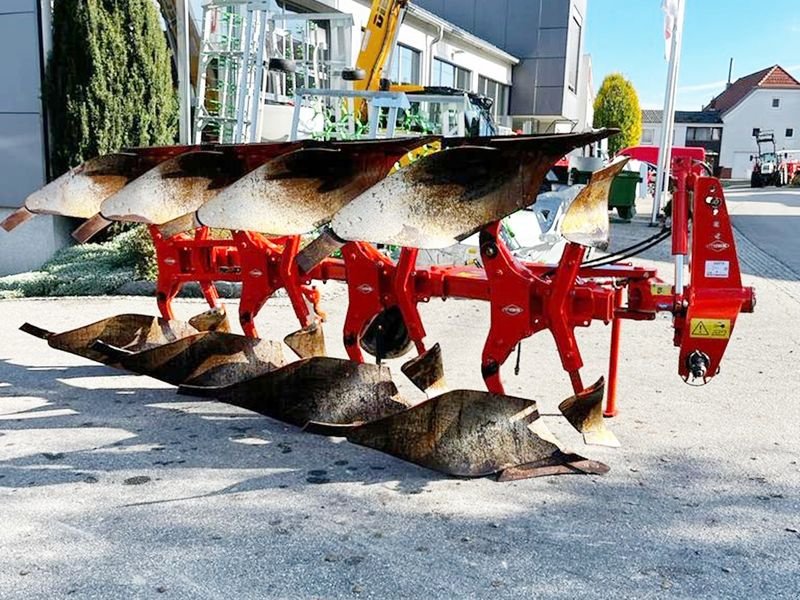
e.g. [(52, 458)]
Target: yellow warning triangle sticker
[(700, 330)]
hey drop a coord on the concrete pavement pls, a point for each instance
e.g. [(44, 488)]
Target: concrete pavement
[(112, 486), (770, 218)]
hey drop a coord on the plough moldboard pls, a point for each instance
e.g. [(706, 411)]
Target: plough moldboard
[(355, 197)]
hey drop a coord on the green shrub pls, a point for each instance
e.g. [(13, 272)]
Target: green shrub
[(617, 105), (88, 269)]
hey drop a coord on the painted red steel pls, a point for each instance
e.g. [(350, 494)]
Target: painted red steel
[(524, 298)]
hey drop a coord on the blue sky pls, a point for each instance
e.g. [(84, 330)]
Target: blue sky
[(626, 36)]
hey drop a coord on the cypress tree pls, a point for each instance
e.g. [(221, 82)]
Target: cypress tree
[(109, 80)]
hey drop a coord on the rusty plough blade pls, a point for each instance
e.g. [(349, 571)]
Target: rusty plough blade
[(445, 197), (90, 228), (201, 352), (208, 359), (308, 342), (426, 371), (79, 192), (584, 411), (126, 333), (313, 389), (16, 218), (299, 191), (586, 220), (465, 433), (173, 188), (108, 340)]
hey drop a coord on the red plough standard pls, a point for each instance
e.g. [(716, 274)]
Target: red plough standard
[(436, 201)]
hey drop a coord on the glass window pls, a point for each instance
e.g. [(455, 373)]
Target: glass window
[(756, 131), (405, 65), (497, 92), (573, 53), (446, 74), (463, 79), (776, 103), (789, 132), (703, 134)]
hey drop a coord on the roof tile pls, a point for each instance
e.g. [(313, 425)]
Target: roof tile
[(771, 77)]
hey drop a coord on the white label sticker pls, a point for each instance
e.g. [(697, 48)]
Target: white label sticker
[(718, 269)]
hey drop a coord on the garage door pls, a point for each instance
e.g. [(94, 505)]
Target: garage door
[(742, 165)]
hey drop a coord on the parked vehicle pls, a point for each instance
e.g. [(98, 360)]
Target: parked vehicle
[(767, 168)]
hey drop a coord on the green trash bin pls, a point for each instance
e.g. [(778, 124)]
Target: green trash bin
[(622, 195)]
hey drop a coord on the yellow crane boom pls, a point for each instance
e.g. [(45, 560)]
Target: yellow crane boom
[(380, 36)]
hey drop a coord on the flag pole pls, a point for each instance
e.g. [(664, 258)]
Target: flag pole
[(184, 77), (668, 116)]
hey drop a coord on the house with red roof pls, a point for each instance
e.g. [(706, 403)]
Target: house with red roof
[(767, 100)]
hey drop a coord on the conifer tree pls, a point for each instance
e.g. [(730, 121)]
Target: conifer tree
[(109, 80)]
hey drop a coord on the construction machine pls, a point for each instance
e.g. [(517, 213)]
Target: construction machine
[(375, 57), (767, 168)]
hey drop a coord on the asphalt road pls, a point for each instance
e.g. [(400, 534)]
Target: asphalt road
[(770, 218), (112, 486)]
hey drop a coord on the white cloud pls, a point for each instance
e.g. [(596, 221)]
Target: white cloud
[(712, 85)]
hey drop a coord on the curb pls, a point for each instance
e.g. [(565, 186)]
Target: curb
[(225, 289)]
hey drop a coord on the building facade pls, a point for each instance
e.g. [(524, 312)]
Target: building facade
[(692, 128), (768, 100), (24, 42), (552, 83)]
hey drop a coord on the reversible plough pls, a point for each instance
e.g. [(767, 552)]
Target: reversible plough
[(357, 198)]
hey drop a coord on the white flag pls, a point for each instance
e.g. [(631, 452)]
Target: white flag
[(670, 8)]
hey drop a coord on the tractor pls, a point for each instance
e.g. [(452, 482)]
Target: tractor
[(767, 168)]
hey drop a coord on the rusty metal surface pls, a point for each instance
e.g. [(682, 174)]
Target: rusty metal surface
[(465, 433), (307, 342), (559, 463), (387, 335), (586, 220), (426, 371), (445, 197), (182, 224), (213, 319), (90, 228), (16, 218), (297, 192), (318, 250), (210, 358), (128, 332), (584, 411), (80, 191), (173, 188), (325, 389)]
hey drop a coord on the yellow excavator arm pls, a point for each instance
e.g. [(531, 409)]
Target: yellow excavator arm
[(379, 38), (377, 44)]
